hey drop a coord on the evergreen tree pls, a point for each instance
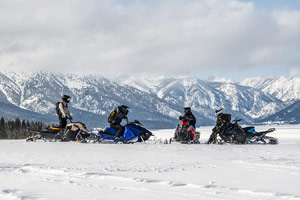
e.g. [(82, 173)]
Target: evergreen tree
[(15, 129), (2, 123), (18, 124), (24, 124), (27, 124), (3, 134)]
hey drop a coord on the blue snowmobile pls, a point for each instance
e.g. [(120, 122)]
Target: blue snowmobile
[(134, 132)]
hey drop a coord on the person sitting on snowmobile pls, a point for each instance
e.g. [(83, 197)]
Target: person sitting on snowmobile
[(222, 123), (116, 118), (188, 116), (63, 112)]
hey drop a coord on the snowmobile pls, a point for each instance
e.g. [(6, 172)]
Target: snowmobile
[(134, 132), (235, 134), (185, 134), (53, 133), (254, 137)]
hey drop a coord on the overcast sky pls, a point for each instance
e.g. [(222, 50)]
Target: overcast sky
[(227, 38)]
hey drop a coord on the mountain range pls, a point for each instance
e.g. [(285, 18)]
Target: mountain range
[(155, 101), (289, 115)]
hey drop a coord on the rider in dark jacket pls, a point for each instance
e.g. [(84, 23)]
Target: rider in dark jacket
[(188, 116), (222, 123), (117, 119)]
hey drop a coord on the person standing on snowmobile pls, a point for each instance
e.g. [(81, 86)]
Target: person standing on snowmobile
[(188, 116), (116, 118), (63, 112)]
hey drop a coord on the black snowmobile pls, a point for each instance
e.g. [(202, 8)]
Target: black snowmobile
[(52, 133), (73, 131), (185, 134), (235, 134)]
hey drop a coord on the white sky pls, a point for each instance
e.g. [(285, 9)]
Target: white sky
[(109, 37)]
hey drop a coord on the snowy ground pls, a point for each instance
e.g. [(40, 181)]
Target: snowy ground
[(76, 171)]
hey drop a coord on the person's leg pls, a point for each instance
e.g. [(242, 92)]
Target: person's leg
[(120, 131), (211, 138), (62, 124)]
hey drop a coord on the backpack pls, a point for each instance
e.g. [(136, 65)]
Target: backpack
[(111, 116), (57, 108), (226, 118)]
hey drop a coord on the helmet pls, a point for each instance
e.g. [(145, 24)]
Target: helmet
[(66, 98), (123, 109), (218, 111), (187, 110)]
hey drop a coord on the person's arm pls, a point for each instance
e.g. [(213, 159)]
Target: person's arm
[(192, 119), (69, 114), (124, 117)]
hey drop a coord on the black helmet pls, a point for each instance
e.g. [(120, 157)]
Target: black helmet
[(123, 109), (66, 98), (187, 110)]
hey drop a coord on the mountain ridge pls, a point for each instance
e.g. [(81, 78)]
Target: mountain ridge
[(157, 101)]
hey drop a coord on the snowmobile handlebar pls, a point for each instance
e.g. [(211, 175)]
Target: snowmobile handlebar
[(70, 119), (237, 120), (135, 122)]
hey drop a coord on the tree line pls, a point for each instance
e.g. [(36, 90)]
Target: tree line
[(17, 129)]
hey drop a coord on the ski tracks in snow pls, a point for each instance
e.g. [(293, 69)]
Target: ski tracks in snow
[(112, 181), (54, 171)]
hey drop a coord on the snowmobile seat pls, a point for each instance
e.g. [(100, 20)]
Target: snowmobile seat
[(110, 131), (249, 129), (257, 134), (55, 127)]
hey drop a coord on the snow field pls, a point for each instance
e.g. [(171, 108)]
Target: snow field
[(49, 170)]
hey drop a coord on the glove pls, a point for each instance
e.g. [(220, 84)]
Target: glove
[(180, 117)]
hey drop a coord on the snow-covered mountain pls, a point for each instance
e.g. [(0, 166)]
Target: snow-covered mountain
[(290, 115), (203, 96), (285, 89), (155, 101), (38, 92)]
